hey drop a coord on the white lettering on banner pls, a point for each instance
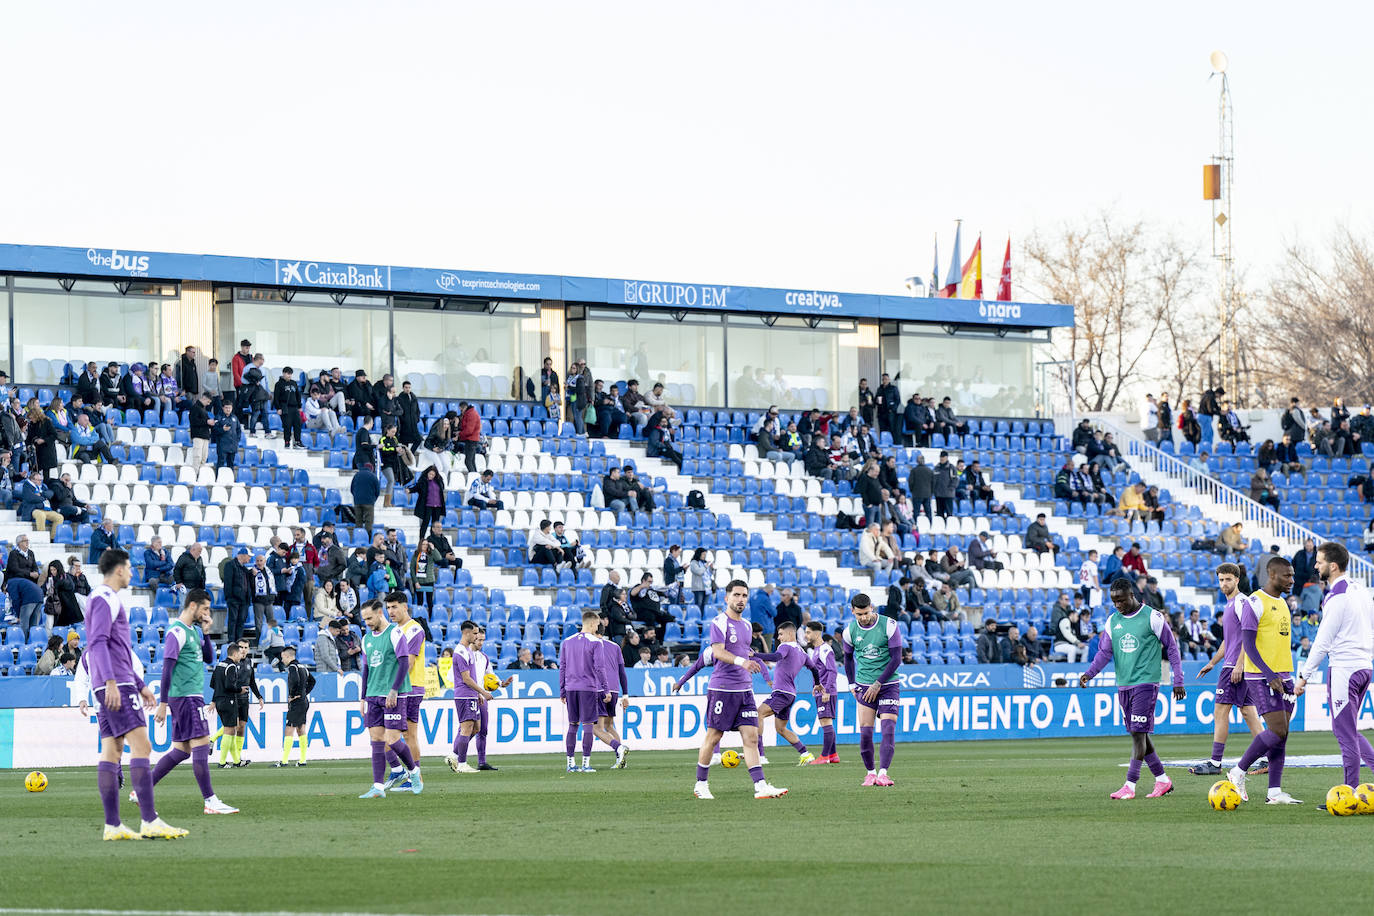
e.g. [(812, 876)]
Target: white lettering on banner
[(449, 281), (133, 265), (997, 311), (1103, 704), (1042, 712), (1074, 714), (674, 294), (821, 301), (917, 680)]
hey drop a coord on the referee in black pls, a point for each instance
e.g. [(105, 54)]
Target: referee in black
[(299, 683), (224, 682), (248, 684)]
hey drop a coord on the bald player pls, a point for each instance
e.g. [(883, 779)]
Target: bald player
[(1231, 690)]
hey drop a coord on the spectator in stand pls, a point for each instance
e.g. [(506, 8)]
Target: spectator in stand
[(1133, 566), (920, 483), (1232, 430), (1294, 421), (1067, 641), (544, 548), (254, 398), (952, 565), (674, 573), (1188, 425), (137, 390), (659, 432), (1197, 637), (333, 563), (364, 451), (874, 552), (171, 401), (1286, 455), (871, 493), (1325, 441), (977, 484), (41, 437), (578, 393), (469, 434), (61, 420), (34, 496), (946, 422), (64, 500), (635, 405), (980, 553), (424, 572), (1306, 580), (365, 489), (1199, 464), (1132, 506), (867, 403), (761, 607), (358, 397), (228, 434), (1165, 422), (1149, 419), (817, 459), (769, 448), (439, 541), (1038, 537), (1151, 596), (106, 537), (240, 363), (189, 571), (210, 384), (409, 419), (609, 416), (429, 501), (1153, 511), (899, 513), (572, 549), (327, 646), (286, 400), (482, 493), (318, 415), (944, 480), (887, 413), (644, 497), (655, 398), (788, 610), (201, 428), (26, 601), (157, 565), (701, 574), (990, 645), (394, 469), (437, 446), (617, 493), (549, 389), (1262, 489), (88, 383), (1266, 457), (1111, 566), (841, 465), (384, 397), (1232, 540)]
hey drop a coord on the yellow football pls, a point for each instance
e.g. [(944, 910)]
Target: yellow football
[(36, 781), (1364, 796), (1223, 796), (1341, 801), (491, 681), (729, 759)]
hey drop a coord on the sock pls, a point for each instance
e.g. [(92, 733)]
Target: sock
[(828, 740), (1277, 756), (1218, 748), (615, 746), (569, 741), (200, 765), (237, 750), (403, 752), (167, 762), (702, 773), (801, 748), (219, 733), (715, 751), (141, 775), (1156, 767), (572, 761), (460, 747), (1262, 746), (756, 774), (224, 748), (107, 780), (889, 746), (286, 747), (392, 761), (481, 749), (587, 739), (1133, 771), (760, 745), (866, 746), (378, 762), (304, 741)]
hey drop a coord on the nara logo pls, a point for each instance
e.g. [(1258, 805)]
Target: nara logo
[(291, 273), (998, 311), (1128, 643)]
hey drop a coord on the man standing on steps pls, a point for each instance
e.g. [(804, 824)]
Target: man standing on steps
[(919, 482), (365, 489), (943, 480)]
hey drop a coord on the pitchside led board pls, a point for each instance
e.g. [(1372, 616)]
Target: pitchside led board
[(118, 263), (961, 703)]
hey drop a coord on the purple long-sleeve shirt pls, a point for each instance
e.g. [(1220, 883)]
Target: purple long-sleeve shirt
[(1230, 631), (704, 659), (734, 636), (823, 657), (107, 640), (612, 662), (790, 660), (577, 665), (463, 661)]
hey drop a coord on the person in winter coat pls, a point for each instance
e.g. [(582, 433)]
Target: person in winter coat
[(286, 400), (42, 437), (944, 479), (254, 398), (408, 421), (469, 434), (228, 432), (429, 499)]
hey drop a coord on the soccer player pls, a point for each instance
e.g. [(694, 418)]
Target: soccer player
[(1133, 641), (1231, 682), (469, 696), (232, 743), (1265, 630), (481, 667), (414, 635), (386, 678), (823, 657), (730, 693), (184, 651), (790, 660), (704, 660), (1346, 637), (299, 683), (612, 662), (872, 653), (225, 691), (122, 697), (582, 688)]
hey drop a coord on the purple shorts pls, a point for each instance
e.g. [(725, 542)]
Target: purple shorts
[(1138, 707), (469, 708), (585, 707), (727, 711), (378, 716), (128, 717), (413, 702), (1267, 701), (1236, 694), (609, 708), (889, 697), (781, 703), (825, 709), (190, 718)]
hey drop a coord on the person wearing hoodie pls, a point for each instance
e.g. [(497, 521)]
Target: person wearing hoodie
[(286, 400)]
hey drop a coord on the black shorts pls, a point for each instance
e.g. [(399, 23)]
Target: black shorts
[(243, 710), (228, 711), (296, 712)]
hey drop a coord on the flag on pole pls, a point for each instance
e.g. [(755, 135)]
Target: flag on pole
[(971, 283), (934, 289), (1004, 288), (951, 288)]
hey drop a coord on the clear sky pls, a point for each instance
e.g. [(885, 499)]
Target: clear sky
[(796, 144)]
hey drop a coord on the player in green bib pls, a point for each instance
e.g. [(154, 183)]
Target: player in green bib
[(386, 677), (185, 651), (872, 653), (1133, 641)]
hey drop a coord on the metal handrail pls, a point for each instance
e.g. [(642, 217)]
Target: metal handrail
[(1250, 512)]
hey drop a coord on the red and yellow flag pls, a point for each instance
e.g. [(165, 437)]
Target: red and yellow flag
[(971, 285)]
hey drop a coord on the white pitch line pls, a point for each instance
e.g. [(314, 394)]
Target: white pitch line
[(97, 912)]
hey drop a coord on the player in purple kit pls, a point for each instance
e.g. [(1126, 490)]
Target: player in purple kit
[(872, 654), (705, 660), (183, 692), (612, 662), (469, 696), (1231, 689), (790, 660), (583, 689), (122, 700), (413, 638), (730, 693), (481, 667), (386, 679), (823, 657)]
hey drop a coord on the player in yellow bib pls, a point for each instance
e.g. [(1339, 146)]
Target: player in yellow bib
[(1266, 634)]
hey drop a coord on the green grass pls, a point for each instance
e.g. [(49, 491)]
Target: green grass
[(1022, 827)]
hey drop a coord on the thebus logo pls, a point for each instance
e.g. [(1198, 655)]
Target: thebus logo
[(119, 263), (997, 310)]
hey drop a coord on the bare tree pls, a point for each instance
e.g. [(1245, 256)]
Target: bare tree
[(1134, 292), (1317, 328)]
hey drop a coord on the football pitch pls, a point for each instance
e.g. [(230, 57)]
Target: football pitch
[(973, 827)]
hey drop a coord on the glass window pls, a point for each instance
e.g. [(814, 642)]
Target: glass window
[(688, 358), (465, 353), (307, 337), (794, 365), (984, 374), (51, 329)]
